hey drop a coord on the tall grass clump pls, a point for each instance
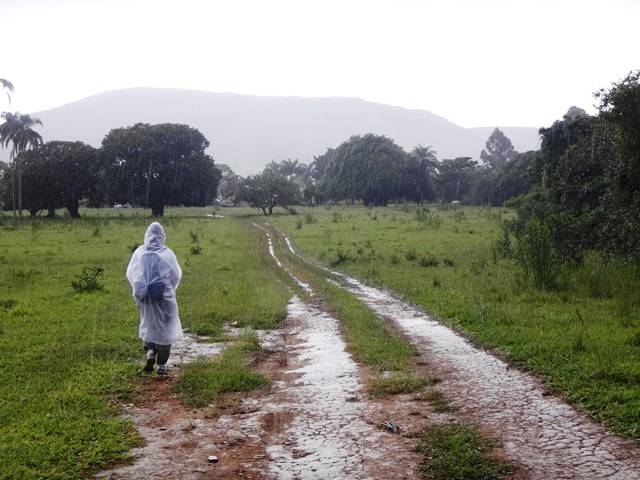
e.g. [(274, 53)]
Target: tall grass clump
[(536, 254), (203, 381), (457, 451)]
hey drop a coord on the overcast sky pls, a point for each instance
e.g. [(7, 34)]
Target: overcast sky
[(475, 62)]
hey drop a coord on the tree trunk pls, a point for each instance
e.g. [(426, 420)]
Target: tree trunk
[(264, 210), (149, 181), (74, 208), (13, 191), (157, 211), (19, 171), (51, 212)]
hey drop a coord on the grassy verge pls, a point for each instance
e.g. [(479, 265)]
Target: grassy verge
[(457, 452), (203, 381), (583, 336), (370, 339), (66, 356)]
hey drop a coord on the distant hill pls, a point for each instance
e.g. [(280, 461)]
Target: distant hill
[(248, 131)]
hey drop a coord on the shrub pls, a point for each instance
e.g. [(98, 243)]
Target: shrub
[(502, 246), (88, 280), (428, 260), (8, 303), (196, 250), (536, 254), (341, 257)]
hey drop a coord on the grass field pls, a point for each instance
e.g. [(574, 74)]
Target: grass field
[(583, 336), (66, 356)]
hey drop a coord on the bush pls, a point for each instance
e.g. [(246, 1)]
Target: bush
[(88, 280), (196, 250), (428, 260), (536, 254), (502, 246)]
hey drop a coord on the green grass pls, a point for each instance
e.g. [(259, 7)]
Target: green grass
[(583, 336), (203, 381), (457, 452), (66, 356), (397, 382)]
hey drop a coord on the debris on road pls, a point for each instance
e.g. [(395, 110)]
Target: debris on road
[(212, 459), (392, 427)]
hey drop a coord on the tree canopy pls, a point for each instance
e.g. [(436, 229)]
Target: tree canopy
[(159, 165), (498, 150)]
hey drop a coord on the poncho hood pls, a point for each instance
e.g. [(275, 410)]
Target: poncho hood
[(154, 237)]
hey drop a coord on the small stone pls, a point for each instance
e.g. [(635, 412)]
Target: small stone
[(212, 459)]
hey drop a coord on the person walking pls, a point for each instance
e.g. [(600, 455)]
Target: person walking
[(154, 275)]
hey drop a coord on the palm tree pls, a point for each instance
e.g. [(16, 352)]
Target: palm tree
[(428, 161), (17, 131), (8, 86), (289, 168)]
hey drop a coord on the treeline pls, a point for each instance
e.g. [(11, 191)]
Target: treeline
[(151, 166), (373, 170), (586, 177)]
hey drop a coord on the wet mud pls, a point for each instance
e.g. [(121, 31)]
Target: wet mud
[(541, 433)]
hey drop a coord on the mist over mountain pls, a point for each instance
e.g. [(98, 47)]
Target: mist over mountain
[(246, 132)]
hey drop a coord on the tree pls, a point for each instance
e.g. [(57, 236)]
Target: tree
[(8, 86), (159, 165), (17, 131), (229, 184), (367, 168), (422, 165), (499, 149), (268, 190), (453, 178), (58, 174)]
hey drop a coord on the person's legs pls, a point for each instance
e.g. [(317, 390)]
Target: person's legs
[(163, 356), (151, 350)]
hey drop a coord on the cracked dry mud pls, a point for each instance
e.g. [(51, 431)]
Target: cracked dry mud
[(543, 434)]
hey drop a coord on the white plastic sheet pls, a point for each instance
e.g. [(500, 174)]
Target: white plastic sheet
[(154, 275)]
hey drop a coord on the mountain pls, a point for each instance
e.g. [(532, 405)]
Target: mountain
[(247, 132)]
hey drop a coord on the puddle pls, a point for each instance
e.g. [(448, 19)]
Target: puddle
[(305, 286), (190, 347), (328, 436), (545, 435)]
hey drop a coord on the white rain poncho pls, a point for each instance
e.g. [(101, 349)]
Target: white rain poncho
[(154, 275)]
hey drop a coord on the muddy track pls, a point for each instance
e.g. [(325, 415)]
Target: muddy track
[(314, 421), (541, 433)]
